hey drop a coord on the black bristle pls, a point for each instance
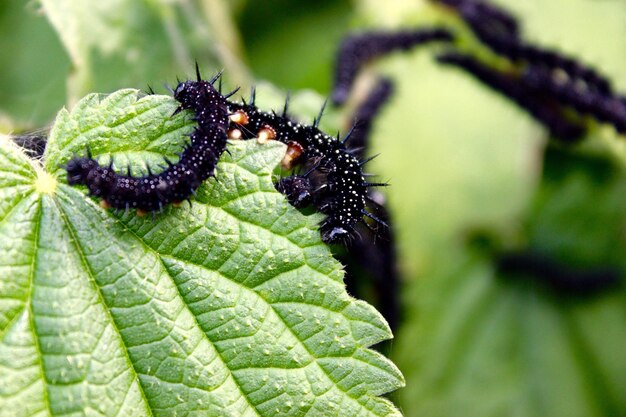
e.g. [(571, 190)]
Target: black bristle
[(286, 106), (252, 95), (318, 119), (198, 75)]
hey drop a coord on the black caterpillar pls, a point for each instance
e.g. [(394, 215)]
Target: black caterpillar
[(33, 143), (535, 81), (604, 107), (496, 19), (543, 107), (176, 183), (333, 182), (511, 46), (499, 30), (357, 49)]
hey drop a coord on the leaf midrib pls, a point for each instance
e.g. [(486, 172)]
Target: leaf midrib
[(76, 243), (31, 315)]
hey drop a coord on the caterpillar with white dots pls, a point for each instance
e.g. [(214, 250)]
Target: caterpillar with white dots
[(333, 182), (179, 181)]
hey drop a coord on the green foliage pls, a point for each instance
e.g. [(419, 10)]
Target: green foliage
[(474, 342), (305, 42), (33, 71), (538, 352), (231, 305), (101, 46)]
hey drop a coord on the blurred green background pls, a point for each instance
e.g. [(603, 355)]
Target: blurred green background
[(465, 165)]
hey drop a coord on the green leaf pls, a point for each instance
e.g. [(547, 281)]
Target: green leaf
[(496, 347), (230, 305), (540, 352)]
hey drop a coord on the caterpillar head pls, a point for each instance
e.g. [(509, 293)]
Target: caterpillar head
[(186, 94), (336, 234), (78, 169), (297, 189)]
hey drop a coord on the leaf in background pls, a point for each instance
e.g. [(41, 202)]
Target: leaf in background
[(293, 43), (230, 306), (33, 71), (503, 344), (59, 48), (491, 346)]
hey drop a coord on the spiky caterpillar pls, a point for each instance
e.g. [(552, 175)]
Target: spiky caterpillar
[(333, 182), (536, 81), (542, 107), (583, 90), (531, 54), (499, 30), (487, 22), (496, 18), (357, 49), (178, 181), (603, 107)]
